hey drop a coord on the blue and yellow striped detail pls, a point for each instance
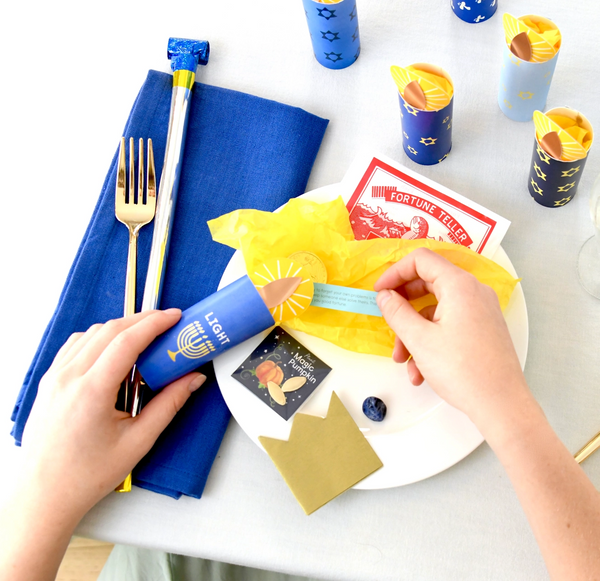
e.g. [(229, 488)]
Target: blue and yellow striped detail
[(184, 78)]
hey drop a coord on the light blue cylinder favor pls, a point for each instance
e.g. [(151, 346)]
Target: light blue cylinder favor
[(334, 32), (524, 85), (474, 11)]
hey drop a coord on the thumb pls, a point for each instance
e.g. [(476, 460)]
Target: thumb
[(400, 315), (161, 410)]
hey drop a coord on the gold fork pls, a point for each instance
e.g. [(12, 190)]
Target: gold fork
[(134, 211)]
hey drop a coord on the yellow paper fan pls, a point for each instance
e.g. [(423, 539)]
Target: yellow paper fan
[(541, 49), (572, 150), (437, 96), (277, 268)]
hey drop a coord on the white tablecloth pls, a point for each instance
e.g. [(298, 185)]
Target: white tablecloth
[(464, 523)]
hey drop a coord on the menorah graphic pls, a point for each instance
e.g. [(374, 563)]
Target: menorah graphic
[(191, 342)]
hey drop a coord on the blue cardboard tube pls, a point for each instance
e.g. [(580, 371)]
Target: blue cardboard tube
[(553, 182), (524, 85), (334, 32), (427, 135), (474, 11), (207, 329)]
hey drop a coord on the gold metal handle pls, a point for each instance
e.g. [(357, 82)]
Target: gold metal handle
[(134, 385), (129, 304), (125, 486), (588, 449)]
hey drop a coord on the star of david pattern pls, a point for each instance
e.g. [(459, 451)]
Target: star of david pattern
[(334, 32), (426, 135), (523, 86), (330, 36), (326, 13), (553, 183)]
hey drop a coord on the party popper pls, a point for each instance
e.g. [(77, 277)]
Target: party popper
[(185, 56)]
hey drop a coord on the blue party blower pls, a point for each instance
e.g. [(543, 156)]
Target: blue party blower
[(208, 328)]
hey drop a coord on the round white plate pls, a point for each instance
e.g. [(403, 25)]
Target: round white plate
[(421, 434)]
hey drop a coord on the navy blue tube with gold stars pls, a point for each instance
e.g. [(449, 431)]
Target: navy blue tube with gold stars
[(553, 182), (563, 138), (426, 135)]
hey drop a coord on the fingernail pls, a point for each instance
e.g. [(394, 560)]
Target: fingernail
[(196, 382), (172, 311), (383, 296)]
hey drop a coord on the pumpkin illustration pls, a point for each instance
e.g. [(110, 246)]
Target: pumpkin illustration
[(269, 371)]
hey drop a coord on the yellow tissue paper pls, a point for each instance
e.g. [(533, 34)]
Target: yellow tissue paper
[(438, 89), (324, 229), (574, 127), (544, 28), (575, 132), (544, 36)]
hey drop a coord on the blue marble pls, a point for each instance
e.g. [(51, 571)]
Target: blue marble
[(374, 409)]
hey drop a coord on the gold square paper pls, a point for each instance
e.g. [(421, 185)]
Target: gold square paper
[(323, 456)]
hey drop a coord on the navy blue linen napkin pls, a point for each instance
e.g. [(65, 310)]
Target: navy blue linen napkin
[(241, 152)]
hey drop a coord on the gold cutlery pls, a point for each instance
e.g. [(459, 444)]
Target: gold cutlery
[(588, 449), (134, 207)]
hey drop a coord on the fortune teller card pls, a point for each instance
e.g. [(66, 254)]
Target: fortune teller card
[(282, 372), (388, 200)]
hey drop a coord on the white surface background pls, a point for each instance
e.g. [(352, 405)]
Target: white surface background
[(72, 71)]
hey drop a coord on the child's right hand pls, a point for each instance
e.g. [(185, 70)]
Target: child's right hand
[(462, 346)]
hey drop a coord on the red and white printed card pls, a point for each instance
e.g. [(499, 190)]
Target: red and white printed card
[(388, 200)]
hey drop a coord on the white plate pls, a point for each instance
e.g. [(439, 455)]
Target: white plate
[(421, 434)]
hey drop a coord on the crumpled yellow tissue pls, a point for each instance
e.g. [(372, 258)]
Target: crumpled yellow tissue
[(324, 229), (438, 90), (544, 36)]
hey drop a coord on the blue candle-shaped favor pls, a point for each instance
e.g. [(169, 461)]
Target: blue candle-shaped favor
[(217, 323), (334, 32)]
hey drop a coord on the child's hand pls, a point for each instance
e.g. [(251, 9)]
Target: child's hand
[(77, 446), (462, 346)]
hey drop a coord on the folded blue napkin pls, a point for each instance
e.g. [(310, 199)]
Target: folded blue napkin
[(241, 151)]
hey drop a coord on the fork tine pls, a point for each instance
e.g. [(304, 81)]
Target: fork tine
[(131, 184), (140, 188), (151, 176), (120, 193)]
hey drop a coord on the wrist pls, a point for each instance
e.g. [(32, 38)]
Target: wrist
[(50, 502), (35, 531), (507, 418)]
